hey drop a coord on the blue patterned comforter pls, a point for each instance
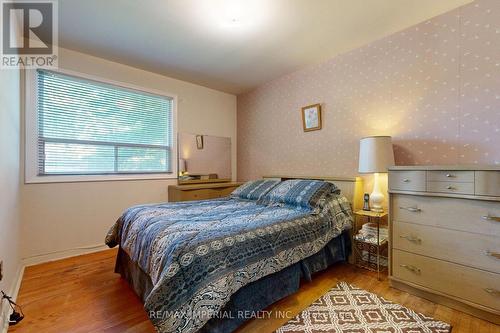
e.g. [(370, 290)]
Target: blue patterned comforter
[(199, 253)]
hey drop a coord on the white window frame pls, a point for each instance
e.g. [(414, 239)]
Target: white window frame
[(31, 134)]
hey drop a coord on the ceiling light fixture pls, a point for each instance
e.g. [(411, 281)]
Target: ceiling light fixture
[(238, 16)]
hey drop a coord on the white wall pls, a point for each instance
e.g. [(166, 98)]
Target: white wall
[(59, 219), (9, 181)]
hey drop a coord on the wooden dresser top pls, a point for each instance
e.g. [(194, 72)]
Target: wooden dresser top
[(187, 187), (465, 167)]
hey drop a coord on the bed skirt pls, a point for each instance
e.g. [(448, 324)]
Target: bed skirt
[(255, 296)]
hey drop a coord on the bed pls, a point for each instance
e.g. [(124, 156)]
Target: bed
[(197, 264)]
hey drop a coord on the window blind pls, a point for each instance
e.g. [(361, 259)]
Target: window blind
[(87, 127)]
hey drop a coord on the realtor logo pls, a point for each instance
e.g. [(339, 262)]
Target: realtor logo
[(29, 34)]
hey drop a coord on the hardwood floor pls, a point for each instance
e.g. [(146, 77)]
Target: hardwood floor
[(82, 294)]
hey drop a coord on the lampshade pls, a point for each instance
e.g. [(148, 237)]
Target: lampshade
[(375, 154)]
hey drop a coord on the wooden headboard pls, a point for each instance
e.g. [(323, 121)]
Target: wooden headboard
[(350, 187)]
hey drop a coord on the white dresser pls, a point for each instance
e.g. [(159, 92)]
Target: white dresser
[(445, 235)]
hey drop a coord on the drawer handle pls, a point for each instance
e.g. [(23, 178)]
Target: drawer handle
[(492, 291), (493, 254), (411, 268), (491, 218), (406, 180), (449, 187), (411, 209), (412, 239)]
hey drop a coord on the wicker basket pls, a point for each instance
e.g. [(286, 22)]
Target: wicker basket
[(366, 255)]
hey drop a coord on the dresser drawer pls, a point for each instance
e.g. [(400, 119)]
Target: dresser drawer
[(451, 176), (467, 283), (201, 194), (476, 216), (407, 180), (488, 183), (223, 192), (189, 193), (475, 250), (451, 187), (208, 193)]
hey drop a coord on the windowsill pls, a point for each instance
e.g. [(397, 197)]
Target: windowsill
[(95, 178)]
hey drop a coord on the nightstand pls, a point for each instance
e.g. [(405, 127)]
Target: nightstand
[(370, 240)]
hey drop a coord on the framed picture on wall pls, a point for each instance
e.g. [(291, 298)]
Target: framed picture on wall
[(199, 141), (311, 117)]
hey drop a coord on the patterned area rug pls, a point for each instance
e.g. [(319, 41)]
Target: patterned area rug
[(348, 309)]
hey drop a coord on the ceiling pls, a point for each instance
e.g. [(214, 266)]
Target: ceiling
[(233, 45)]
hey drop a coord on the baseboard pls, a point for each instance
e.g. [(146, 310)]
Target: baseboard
[(63, 254), (13, 292)]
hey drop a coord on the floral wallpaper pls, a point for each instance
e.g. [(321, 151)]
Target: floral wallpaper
[(434, 87)]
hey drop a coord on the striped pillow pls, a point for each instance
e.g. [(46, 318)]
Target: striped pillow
[(254, 189), (300, 193)]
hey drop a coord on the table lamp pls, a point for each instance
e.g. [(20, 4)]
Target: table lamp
[(182, 167), (375, 156)]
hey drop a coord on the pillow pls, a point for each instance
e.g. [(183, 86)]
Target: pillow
[(254, 189), (300, 193)]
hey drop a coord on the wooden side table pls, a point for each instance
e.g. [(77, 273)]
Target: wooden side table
[(368, 253)]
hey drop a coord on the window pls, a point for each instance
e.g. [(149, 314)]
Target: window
[(86, 127)]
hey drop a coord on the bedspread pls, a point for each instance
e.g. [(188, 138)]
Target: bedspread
[(199, 253)]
